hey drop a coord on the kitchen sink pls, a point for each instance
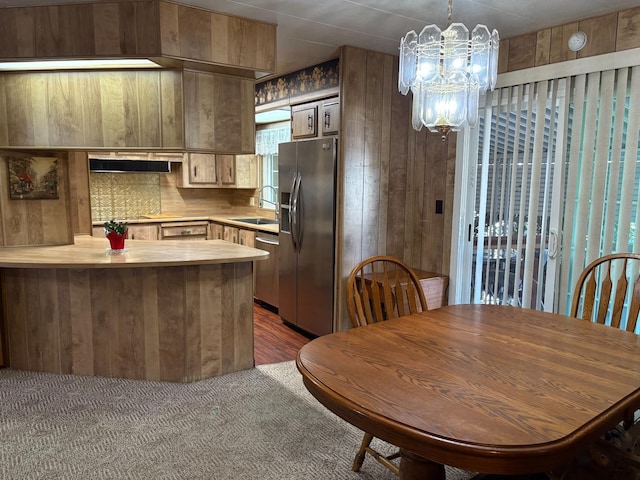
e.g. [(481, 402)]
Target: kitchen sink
[(256, 221)]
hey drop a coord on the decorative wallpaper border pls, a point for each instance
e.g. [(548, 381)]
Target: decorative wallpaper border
[(309, 80)]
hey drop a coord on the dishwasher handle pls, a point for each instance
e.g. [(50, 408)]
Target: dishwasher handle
[(268, 241)]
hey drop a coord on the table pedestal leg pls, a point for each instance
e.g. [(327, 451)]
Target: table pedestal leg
[(415, 467)]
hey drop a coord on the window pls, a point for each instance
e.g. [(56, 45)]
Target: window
[(268, 137)]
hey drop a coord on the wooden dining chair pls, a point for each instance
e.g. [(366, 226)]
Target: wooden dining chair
[(608, 292), (380, 288)]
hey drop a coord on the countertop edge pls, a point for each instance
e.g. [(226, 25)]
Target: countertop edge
[(93, 253), (205, 218)]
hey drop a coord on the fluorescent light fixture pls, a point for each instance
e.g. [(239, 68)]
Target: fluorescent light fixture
[(272, 116), (78, 64)]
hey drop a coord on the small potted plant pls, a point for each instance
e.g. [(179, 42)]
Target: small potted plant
[(116, 232)]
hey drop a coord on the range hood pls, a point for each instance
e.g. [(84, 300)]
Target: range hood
[(128, 166)]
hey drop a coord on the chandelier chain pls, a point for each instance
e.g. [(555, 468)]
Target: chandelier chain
[(450, 14)]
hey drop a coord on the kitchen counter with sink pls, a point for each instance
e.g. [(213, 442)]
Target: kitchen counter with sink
[(161, 310), (263, 224), (251, 222)]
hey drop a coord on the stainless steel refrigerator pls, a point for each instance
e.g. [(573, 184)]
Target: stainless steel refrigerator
[(307, 219)]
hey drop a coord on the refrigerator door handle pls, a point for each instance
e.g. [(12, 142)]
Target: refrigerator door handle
[(294, 213), (299, 224), (291, 212)]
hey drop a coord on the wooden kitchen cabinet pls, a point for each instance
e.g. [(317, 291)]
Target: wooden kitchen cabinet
[(207, 170), (226, 165), (143, 232), (239, 235), (246, 171), (216, 231), (230, 234), (196, 230), (219, 112), (330, 116), (315, 119), (304, 121), (247, 238), (200, 170)]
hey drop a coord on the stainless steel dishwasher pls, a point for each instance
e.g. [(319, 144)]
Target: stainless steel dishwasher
[(266, 271)]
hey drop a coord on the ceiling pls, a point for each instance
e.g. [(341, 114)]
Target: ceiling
[(311, 31)]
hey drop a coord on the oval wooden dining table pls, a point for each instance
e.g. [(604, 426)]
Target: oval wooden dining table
[(487, 388)]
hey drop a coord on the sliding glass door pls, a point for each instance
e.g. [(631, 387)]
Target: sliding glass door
[(549, 181)]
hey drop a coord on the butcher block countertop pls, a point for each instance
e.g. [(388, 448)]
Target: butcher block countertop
[(93, 252)]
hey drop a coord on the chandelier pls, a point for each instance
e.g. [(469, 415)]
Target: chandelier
[(446, 72)]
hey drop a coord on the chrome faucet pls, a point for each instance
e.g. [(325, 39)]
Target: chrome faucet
[(262, 200)]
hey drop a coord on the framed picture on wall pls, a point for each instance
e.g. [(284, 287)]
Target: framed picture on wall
[(33, 178)]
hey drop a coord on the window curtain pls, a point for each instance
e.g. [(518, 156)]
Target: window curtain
[(267, 140)]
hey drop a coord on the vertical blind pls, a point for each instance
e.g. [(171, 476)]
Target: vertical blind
[(516, 163), (558, 174), (601, 197)]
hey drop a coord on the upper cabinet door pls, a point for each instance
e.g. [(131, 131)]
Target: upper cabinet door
[(330, 117), (202, 169), (304, 121), (315, 119), (207, 170), (219, 113), (226, 169)]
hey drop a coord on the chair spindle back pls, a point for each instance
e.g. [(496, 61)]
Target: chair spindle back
[(383, 287), (605, 286)]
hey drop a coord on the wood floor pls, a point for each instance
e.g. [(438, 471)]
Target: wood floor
[(274, 341)]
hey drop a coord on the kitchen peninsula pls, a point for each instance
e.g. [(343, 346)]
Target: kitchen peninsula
[(162, 310)]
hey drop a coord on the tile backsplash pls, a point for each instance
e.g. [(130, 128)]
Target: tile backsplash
[(124, 195)]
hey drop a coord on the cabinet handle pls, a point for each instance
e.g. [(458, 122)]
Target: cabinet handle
[(241, 241), (195, 171), (327, 119), (310, 122), (230, 173), (186, 232)]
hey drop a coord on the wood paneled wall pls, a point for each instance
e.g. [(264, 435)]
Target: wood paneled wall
[(608, 33), (35, 222), (390, 176)]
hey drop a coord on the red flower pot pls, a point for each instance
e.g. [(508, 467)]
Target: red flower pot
[(116, 241)]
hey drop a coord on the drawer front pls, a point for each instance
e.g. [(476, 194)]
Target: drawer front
[(184, 231)]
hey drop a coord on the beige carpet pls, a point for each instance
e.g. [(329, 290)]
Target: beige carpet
[(256, 424)]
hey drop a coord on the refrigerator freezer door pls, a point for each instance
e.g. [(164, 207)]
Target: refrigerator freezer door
[(316, 211), (287, 260)]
